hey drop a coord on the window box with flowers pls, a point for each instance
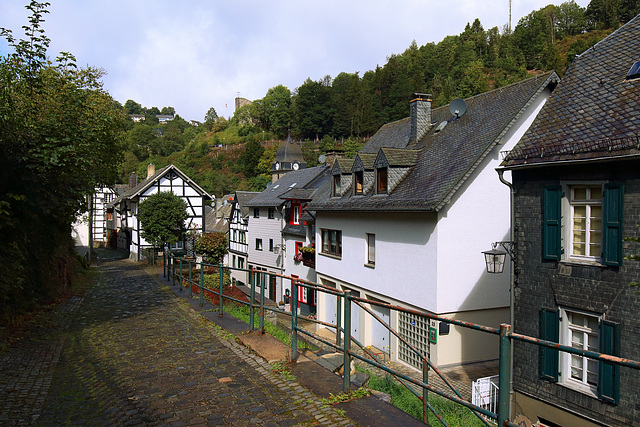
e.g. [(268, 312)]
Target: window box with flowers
[(308, 255)]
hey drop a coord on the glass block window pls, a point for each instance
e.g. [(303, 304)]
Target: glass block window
[(414, 329)]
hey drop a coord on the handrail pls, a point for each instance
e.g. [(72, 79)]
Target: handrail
[(257, 278)]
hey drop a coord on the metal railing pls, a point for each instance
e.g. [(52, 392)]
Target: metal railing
[(343, 341)]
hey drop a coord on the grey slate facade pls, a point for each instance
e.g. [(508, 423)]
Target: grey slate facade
[(585, 137)]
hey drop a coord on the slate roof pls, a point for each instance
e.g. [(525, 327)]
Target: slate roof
[(149, 181), (444, 159), (594, 113), (295, 179), (244, 197)]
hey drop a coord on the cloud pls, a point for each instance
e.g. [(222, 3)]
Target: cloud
[(199, 54)]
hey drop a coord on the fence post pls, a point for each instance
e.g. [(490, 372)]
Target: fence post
[(294, 320), (504, 397), (339, 321), (190, 280), (201, 283), (172, 269), (164, 263), (261, 322), (425, 391), (220, 292), (180, 274), (252, 283), (346, 368)]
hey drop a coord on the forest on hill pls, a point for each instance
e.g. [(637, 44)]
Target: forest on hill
[(235, 153)]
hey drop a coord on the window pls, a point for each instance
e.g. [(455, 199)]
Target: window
[(584, 331), (332, 242), (371, 249), (234, 236), (583, 222), (336, 186), (381, 178), (270, 245), (238, 215), (258, 244), (359, 181), (240, 262), (234, 262), (586, 221), (298, 246), (256, 212), (295, 213), (581, 331), (271, 213)]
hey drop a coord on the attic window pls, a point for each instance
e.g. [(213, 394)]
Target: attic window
[(359, 180), (293, 185), (381, 177), (336, 186), (634, 72)]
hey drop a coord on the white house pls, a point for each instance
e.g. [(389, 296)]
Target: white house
[(238, 226), (268, 216), (168, 179), (97, 212), (405, 223)]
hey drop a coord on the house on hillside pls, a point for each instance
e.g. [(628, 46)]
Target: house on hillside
[(269, 215), (238, 226), (167, 179), (406, 220), (576, 179)]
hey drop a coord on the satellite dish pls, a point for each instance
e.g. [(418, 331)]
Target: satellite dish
[(458, 107), (322, 158)]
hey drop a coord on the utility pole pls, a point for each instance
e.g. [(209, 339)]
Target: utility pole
[(509, 16)]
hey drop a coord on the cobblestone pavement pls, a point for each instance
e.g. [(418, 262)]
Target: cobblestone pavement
[(131, 353)]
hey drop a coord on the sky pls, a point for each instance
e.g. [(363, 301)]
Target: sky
[(197, 54)]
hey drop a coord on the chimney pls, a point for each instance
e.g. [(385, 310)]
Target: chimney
[(133, 180), (420, 116), (151, 169)]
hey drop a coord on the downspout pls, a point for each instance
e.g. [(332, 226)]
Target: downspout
[(511, 276), (283, 252)]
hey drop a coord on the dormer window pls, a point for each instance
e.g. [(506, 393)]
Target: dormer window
[(381, 179), (358, 177), (295, 213), (336, 186)]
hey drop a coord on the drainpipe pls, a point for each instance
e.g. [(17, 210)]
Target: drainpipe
[(511, 278), (283, 252)]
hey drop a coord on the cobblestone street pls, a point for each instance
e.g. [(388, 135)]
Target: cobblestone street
[(132, 353)]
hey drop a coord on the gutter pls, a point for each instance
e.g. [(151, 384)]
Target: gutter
[(569, 162)]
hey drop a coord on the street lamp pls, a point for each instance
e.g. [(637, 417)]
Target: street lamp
[(495, 258)]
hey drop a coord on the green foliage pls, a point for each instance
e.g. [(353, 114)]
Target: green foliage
[(61, 137), (212, 281), (402, 398), (249, 160), (212, 245), (162, 218)]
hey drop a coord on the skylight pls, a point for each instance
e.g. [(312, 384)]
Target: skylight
[(634, 72)]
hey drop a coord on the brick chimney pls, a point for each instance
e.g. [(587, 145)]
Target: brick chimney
[(151, 169), (420, 116), (133, 180)]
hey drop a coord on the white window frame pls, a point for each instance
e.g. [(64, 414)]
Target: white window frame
[(370, 249), (258, 244), (567, 331), (568, 209)]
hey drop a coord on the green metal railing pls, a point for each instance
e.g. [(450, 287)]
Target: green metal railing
[(257, 279)]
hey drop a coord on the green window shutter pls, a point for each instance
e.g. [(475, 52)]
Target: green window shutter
[(552, 223), (612, 224), (549, 331), (609, 374)]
